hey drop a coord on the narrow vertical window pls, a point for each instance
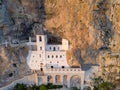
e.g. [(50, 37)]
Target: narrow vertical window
[(54, 49), (52, 56), (40, 39), (48, 56)]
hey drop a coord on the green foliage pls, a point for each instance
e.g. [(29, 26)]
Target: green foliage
[(35, 87), (100, 84), (20, 87), (106, 86), (42, 87), (51, 86)]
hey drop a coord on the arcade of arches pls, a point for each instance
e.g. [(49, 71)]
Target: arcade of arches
[(65, 80)]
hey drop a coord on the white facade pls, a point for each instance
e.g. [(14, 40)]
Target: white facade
[(46, 55), (52, 60)]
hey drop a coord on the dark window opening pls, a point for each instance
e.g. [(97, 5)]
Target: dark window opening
[(14, 65), (50, 48), (56, 56), (60, 56), (51, 66), (41, 69), (10, 74), (63, 67), (40, 39), (48, 56), (54, 49)]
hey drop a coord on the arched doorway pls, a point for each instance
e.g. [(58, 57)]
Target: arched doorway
[(57, 79), (65, 80), (49, 79), (75, 82), (40, 80)]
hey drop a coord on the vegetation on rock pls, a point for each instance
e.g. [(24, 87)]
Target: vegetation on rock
[(35, 87)]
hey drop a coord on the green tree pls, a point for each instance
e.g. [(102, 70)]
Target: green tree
[(97, 82), (42, 87), (106, 86), (34, 87), (20, 87), (100, 84)]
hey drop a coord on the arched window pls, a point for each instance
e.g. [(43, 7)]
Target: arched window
[(40, 39), (41, 69)]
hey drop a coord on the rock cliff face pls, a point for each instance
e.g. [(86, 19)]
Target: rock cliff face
[(89, 25)]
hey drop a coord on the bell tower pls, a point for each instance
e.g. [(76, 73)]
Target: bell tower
[(41, 49), (41, 42)]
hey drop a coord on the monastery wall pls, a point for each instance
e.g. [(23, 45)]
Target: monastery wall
[(56, 58), (35, 58), (64, 70)]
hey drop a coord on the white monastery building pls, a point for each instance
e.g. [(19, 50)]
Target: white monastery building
[(51, 56), (51, 60)]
